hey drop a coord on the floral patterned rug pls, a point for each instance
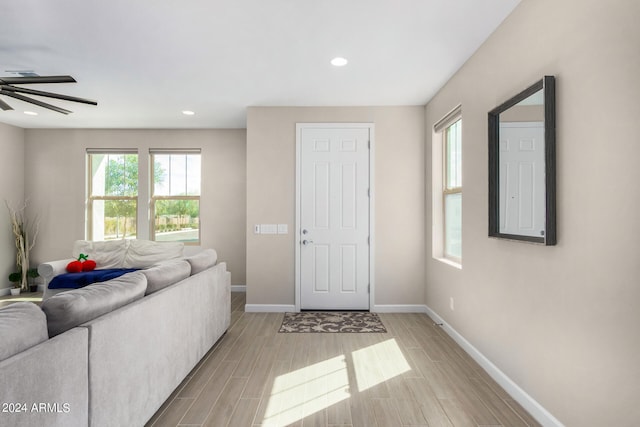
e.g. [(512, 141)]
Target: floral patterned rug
[(332, 321)]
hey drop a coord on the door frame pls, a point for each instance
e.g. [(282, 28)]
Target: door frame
[(298, 236)]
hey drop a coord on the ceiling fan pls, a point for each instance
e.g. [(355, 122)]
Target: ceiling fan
[(7, 88)]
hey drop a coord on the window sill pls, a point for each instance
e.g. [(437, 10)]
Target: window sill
[(448, 261)]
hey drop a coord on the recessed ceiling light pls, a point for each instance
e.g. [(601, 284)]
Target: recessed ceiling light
[(339, 62), (31, 113), (188, 113)]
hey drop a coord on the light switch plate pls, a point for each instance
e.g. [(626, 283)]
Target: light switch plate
[(268, 228)]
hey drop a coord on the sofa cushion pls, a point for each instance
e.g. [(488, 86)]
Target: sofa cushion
[(69, 309), (107, 254), (146, 253), (22, 326), (165, 274), (202, 260)]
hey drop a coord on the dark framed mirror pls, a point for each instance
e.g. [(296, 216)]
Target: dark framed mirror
[(522, 166)]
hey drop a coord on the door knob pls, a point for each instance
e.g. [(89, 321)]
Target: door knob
[(306, 242)]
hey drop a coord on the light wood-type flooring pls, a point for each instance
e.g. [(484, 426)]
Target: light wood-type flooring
[(34, 297), (413, 375)]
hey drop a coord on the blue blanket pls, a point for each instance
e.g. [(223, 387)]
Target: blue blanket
[(80, 280)]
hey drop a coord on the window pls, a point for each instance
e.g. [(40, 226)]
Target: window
[(447, 188), (112, 202), (175, 196), (452, 191)]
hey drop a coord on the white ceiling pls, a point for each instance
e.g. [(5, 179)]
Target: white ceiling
[(145, 61)]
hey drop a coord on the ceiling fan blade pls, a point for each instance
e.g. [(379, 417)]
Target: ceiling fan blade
[(48, 94), (5, 106), (37, 79), (34, 101)]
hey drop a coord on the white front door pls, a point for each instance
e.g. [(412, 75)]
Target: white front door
[(333, 216), (522, 204)]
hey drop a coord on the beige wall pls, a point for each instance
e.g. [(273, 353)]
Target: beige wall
[(11, 190), (55, 185), (399, 199), (561, 321)]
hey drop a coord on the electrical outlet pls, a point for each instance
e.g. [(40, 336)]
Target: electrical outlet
[(451, 305)]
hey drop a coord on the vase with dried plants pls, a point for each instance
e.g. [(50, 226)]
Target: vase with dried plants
[(25, 237)]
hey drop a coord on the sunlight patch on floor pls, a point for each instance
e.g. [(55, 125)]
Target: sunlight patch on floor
[(25, 299), (308, 390), (303, 392), (378, 363)]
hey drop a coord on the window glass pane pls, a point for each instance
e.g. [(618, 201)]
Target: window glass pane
[(113, 219), (177, 220), (454, 155), (453, 225), (193, 175), (176, 174), (114, 174)]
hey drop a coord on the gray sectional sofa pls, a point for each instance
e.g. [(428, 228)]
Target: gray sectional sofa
[(109, 354)]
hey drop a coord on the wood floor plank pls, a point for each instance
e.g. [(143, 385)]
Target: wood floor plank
[(410, 412), (466, 395), (199, 411), (204, 373), (430, 406), (503, 412), (456, 413), (225, 405), (174, 413), (362, 413), (250, 357), (386, 412), (522, 413), (339, 414), (438, 381), (244, 413), (261, 372), (272, 399)]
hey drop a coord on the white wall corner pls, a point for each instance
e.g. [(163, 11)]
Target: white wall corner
[(269, 308), (536, 410)]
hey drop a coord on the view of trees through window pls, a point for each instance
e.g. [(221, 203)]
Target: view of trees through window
[(175, 197), (113, 196)]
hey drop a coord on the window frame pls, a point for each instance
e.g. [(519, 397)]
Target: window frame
[(448, 190), (153, 198), (89, 223), (440, 188)]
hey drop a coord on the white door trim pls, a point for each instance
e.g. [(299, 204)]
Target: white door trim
[(370, 127)]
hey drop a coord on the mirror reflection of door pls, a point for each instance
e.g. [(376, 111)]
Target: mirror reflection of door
[(522, 205), (522, 166)]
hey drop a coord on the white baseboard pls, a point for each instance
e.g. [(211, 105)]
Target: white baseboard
[(238, 288), (536, 410), (268, 308), (400, 308)]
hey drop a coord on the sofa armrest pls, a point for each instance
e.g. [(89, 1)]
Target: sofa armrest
[(49, 382), (49, 270)]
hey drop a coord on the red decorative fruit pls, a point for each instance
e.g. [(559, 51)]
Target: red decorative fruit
[(74, 267), (88, 265)]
